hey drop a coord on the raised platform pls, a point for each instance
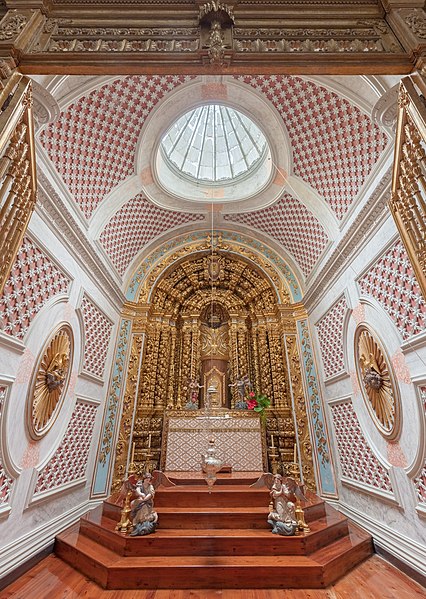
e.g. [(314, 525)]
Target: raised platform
[(214, 540)]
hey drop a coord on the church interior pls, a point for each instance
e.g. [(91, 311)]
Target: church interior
[(213, 223)]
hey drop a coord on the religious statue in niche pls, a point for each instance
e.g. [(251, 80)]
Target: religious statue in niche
[(244, 387), (50, 379), (193, 393), (216, 21)]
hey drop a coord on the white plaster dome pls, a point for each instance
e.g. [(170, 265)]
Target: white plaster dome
[(214, 147)]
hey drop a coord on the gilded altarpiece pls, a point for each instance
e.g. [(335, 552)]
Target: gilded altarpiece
[(213, 317)]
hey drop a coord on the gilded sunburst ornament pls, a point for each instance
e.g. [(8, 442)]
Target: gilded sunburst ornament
[(50, 381), (377, 382)]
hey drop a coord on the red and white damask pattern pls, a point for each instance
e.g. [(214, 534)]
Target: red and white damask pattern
[(69, 462), (420, 480), (330, 335), (357, 461), (97, 335), (290, 223), (5, 481), (391, 281), (33, 280), (92, 144), (334, 144), (135, 225)]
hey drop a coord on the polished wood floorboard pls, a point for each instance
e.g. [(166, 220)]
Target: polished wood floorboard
[(373, 579)]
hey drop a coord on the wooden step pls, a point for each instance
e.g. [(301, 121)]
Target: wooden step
[(180, 572), (200, 496), (236, 517), (197, 478), (215, 541)]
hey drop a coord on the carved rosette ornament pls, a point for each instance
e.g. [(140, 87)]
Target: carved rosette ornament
[(50, 381), (377, 382)]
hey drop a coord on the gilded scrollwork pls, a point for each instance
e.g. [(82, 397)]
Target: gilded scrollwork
[(129, 400), (377, 382), (50, 381), (300, 411)]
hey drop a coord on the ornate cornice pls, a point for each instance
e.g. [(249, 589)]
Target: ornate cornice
[(55, 213), (369, 218)]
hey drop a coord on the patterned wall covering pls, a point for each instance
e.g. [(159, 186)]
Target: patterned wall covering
[(134, 225), (97, 335), (392, 283), (238, 442), (420, 481), (357, 461), (69, 462), (334, 144), (330, 335), (33, 280), (5, 482), (92, 144), (290, 223)]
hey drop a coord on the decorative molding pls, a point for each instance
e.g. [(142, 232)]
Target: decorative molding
[(403, 548), (23, 548), (54, 212), (319, 433)]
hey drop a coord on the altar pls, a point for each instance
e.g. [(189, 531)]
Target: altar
[(238, 441)]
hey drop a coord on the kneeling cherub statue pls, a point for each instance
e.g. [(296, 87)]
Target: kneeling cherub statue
[(144, 517)]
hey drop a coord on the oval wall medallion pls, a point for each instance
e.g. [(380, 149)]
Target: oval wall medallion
[(50, 381), (377, 382)]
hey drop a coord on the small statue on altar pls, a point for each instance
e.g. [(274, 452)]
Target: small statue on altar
[(144, 518), (193, 391), (244, 386)]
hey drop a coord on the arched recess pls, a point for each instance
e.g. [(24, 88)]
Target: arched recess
[(236, 296)]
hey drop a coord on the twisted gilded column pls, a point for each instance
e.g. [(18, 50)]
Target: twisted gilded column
[(277, 363), (172, 369)]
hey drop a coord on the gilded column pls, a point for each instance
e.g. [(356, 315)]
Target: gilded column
[(300, 416), (235, 362), (185, 363), (172, 369), (264, 363), (162, 368), (123, 447), (277, 359)]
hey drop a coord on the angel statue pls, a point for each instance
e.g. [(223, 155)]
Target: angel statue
[(243, 386), (284, 492), (144, 517)]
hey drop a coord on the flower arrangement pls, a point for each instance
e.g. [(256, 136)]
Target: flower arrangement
[(258, 403)]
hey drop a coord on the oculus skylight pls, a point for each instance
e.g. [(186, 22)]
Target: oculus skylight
[(214, 144)]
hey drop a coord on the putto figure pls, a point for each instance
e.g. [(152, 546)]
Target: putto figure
[(282, 512)]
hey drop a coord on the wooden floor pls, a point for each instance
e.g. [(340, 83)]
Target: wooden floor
[(373, 579)]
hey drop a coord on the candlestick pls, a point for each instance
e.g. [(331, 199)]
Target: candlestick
[(133, 453), (272, 441), (149, 440), (295, 454)]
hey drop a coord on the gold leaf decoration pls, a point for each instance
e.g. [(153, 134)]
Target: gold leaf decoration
[(50, 381), (377, 382)]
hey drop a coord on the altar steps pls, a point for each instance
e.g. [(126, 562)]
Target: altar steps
[(113, 571), (224, 544)]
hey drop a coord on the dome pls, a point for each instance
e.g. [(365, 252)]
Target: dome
[(214, 144)]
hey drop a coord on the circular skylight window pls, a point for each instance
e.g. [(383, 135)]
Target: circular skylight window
[(214, 144)]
